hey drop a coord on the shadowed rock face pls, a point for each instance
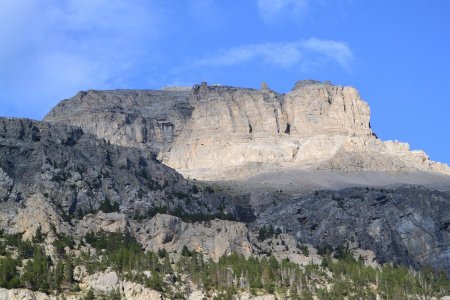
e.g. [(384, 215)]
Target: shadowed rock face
[(138, 118), (76, 169), (407, 225), (77, 173), (223, 133)]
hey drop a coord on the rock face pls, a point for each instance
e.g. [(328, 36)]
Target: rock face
[(147, 119), (74, 170), (50, 172), (109, 281), (108, 161), (75, 173), (407, 225), (223, 133), (23, 294), (214, 239)]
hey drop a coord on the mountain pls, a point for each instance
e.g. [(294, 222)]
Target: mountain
[(227, 133), (210, 191)]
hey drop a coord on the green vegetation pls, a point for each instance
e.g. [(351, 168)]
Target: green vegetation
[(152, 184), (267, 232), (304, 249), (346, 277), (25, 264), (107, 207), (186, 217), (123, 254)]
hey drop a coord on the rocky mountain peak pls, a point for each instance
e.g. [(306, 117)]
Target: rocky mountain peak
[(308, 83), (221, 132)]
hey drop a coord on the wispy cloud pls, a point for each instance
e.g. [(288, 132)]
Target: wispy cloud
[(273, 11), (301, 54), (51, 49)]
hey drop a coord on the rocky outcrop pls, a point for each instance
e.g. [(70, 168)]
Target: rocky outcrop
[(135, 291), (223, 133), (75, 173), (6, 185), (110, 222), (139, 118), (108, 281), (23, 294), (213, 238), (407, 225)]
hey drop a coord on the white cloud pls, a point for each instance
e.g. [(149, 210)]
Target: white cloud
[(300, 54), (273, 10), (51, 49)]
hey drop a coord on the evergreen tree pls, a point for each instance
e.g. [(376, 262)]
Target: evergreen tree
[(262, 234), (58, 276), (9, 277), (68, 271), (185, 251), (39, 237), (90, 295)]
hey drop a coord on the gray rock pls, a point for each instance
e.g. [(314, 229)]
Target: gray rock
[(78, 173), (407, 225)]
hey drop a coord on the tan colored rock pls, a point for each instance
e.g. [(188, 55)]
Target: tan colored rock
[(80, 273), (106, 282), (109, 222), (135, 291), (247, 296), (23, 294), (315, 126), (197, 295), (35, 212), (38, 212), (215, 239), (226, 133)]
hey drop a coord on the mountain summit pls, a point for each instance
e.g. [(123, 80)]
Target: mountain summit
[(227, 133)]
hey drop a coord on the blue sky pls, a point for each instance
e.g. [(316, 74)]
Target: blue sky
[(396, 53)]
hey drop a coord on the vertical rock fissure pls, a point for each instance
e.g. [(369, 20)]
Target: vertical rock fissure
[(288, 128), (276, 120)]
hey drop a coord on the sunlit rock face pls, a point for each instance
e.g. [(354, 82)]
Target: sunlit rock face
[(224, 133)]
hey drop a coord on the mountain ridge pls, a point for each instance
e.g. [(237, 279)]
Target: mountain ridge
[(220, 132), (101, 190)]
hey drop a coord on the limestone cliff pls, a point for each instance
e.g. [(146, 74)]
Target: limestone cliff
[(67, 183), (219, 132)]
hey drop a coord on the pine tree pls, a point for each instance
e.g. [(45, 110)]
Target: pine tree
[(58, 276), (185, 251), (68, 271), (262, 234), (9, 277), (90, 295)]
